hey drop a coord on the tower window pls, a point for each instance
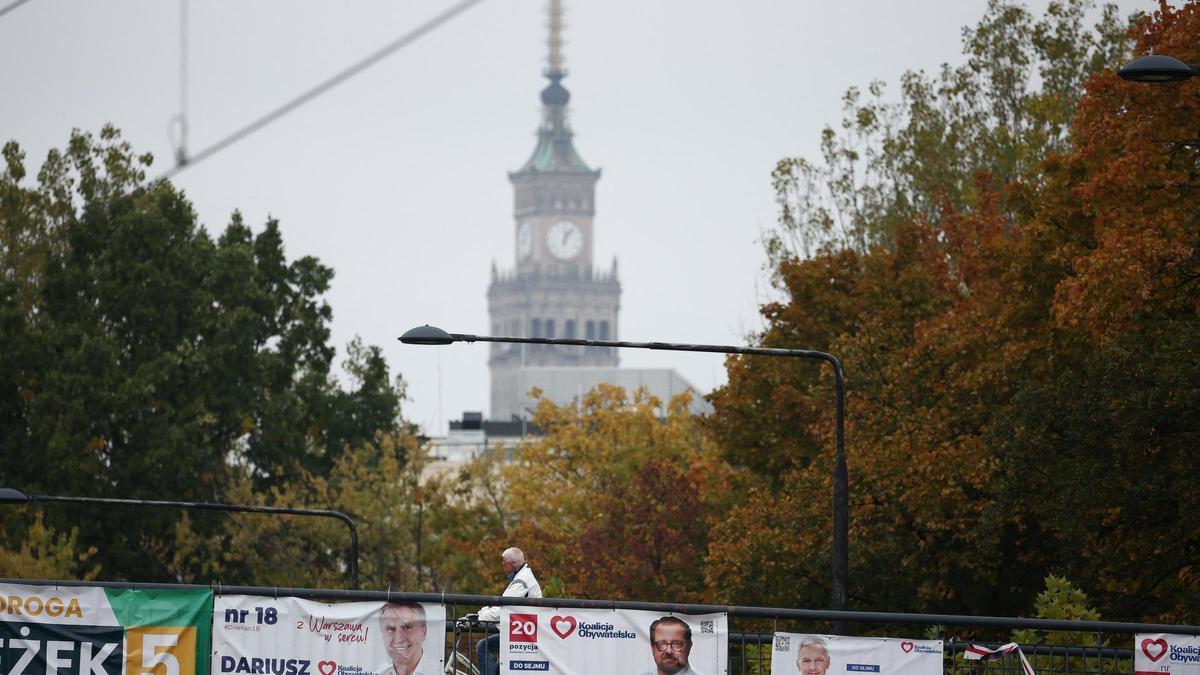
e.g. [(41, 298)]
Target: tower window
[(549, 328), (535, 328), (590, 330), (603, 330), (569, 329)]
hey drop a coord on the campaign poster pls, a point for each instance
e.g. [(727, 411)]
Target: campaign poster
[(838, 655), (630, 642), (258, 635), (1159, 653), (104, 631)]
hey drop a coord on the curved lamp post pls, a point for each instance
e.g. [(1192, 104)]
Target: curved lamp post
[(431, 335), (1157, 68), (11, 496)]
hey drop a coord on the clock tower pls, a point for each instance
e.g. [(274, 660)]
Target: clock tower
[(554, 290)]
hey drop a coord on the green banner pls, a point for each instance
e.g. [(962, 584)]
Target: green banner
[(104, 631)]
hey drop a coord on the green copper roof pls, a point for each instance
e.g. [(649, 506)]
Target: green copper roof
[(555, 152)]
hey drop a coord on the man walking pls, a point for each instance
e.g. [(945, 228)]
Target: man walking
[(521, 584)]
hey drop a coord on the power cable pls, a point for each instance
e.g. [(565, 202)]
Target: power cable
[(372, 59), (12, 6)]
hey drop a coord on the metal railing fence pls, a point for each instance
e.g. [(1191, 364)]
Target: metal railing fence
[(1099, 647)]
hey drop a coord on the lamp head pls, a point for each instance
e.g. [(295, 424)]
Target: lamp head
[(1156, 68), (11, 496), (426, 335)]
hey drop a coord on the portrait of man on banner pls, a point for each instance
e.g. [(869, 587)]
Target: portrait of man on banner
[(404, 631), (257, 634), (579, 641), (812, 657), (671, 646), (801, 654)]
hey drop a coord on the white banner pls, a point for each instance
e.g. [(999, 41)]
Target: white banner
[(253, 635), (837, 655), (71, 606), (590, 641), (1158, 653)]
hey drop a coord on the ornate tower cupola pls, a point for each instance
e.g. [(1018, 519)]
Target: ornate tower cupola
[(555, 189), (554, 290)]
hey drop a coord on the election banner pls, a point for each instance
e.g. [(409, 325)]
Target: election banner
[(589, 641), (104, 631), (838, 655), (1159, 653), (256, 635)]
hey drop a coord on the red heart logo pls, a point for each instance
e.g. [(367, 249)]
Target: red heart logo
[(906, 646), (326, 667), (1160, 643), (567, 624)]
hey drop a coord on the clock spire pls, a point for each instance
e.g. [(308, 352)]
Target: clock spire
[(555, 96), (553, 291), (556, 61), (555, 150)]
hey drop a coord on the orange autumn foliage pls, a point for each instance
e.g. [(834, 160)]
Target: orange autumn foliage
[(1022, 375)]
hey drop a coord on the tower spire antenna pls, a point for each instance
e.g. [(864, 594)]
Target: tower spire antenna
[(555, 96), (555, 69)]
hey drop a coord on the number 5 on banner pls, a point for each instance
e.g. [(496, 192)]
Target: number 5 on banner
[(161, 650)]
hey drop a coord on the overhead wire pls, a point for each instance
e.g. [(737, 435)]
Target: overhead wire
[(11, 6), (361, 65)]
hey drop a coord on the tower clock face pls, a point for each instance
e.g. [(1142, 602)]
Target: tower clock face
[(564, 239), (524, 239)]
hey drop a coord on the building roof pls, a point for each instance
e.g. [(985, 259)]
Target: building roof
[(555, 153)]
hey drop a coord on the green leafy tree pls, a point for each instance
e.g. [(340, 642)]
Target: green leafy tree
[(420, 527), (1064, 602), (45, 554), (144, 359)]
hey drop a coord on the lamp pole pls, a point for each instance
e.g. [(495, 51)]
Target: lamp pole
[(431, 335), (11, 496)]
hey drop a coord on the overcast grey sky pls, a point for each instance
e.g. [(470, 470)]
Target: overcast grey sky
[(397, 178)]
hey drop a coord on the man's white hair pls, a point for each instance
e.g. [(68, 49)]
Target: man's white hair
[(813, 641), (513, 555)]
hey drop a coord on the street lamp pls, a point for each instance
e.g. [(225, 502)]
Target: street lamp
[(1157, 68), (431, 335), (11, 496)]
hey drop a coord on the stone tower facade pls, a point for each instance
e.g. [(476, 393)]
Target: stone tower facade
[(554, 290)]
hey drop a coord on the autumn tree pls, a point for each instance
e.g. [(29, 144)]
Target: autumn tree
[(142, 358), (950, 144), (997, 115), (1117, 420), (918, 475), (1017, 335), (616, 500), (418, 530)]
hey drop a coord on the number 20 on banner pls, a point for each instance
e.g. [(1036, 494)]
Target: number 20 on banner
[(522, 627), (161, 650)]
